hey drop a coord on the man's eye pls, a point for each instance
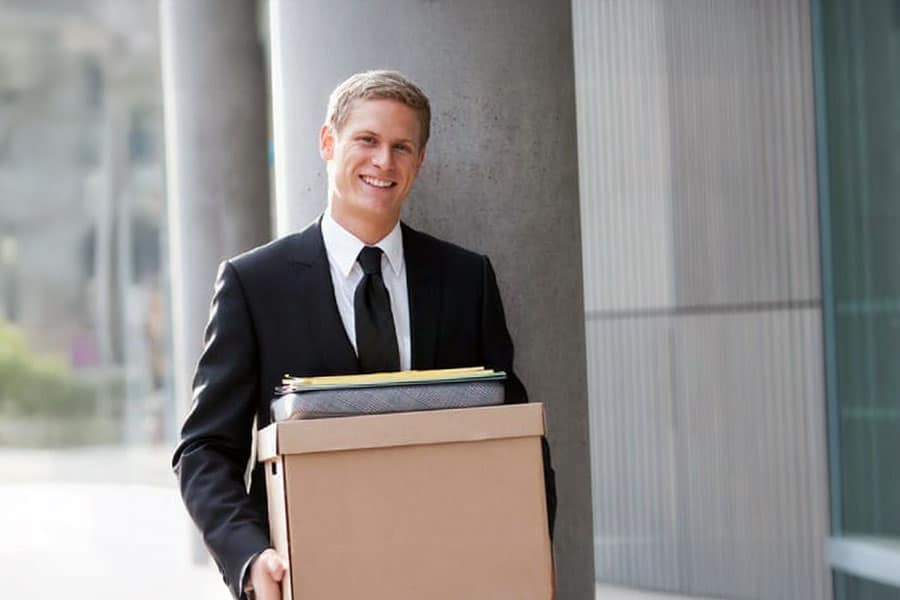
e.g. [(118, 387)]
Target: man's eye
[(402, 147), (368, 139)]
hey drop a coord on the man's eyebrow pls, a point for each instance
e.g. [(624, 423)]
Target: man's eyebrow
[(365, 132), (373, 134)]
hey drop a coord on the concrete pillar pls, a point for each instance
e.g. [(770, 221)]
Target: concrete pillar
[(218, 178), (218, 182), (500, 177)]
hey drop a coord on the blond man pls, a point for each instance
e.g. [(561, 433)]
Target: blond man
[(356, 291)]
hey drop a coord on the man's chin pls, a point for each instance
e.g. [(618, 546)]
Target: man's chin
[(379, 206)]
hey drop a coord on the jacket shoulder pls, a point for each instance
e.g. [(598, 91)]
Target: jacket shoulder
[(447, 252), (295, 246)]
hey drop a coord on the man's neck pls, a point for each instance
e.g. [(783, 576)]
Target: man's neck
[(367, 232)]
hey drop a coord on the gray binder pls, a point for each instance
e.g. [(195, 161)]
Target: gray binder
[(386, 398)]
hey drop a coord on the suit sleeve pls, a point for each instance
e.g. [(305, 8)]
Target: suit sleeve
[(497, 350), (215, 444)]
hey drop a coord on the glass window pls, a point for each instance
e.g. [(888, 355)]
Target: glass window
[(860, 85), (847, 586)]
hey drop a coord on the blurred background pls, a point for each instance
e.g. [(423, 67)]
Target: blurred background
[(88, 504), (739, 202)]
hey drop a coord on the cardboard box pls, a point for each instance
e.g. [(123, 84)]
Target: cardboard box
[(437, 505)]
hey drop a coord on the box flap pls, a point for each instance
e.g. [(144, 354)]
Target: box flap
[(401, 429)]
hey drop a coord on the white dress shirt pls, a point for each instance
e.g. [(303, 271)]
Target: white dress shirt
[(342, 248)]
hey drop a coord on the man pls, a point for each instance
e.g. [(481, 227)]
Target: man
[(357, 291)]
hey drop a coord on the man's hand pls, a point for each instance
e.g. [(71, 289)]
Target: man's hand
[(266, 574)]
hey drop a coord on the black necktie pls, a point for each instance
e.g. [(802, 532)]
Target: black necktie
[(376, 338)]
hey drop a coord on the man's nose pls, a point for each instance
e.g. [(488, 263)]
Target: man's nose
[(382, 157)]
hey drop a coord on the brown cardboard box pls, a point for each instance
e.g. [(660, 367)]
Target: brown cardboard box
[(437, 505)]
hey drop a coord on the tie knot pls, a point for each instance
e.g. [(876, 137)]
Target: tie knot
[(370, 260)]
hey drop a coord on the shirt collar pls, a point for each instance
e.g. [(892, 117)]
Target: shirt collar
[(343, 247)]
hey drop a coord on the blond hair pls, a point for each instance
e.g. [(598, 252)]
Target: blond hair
[(378, 85)]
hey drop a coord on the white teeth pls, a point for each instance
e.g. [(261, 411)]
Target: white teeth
[(377, 182)]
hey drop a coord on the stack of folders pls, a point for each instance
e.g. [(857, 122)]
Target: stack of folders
[(378, 393)]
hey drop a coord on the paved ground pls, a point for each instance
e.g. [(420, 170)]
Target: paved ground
[(104, 524), (98, 523), (87, 541)]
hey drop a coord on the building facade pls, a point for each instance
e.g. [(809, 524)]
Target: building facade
[(693, 207), (740, 169)]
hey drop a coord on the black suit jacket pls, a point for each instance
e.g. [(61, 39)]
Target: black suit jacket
[(273, 312)]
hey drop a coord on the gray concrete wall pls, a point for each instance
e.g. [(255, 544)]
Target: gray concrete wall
[(703, 301), (218, 186), (500, 177)]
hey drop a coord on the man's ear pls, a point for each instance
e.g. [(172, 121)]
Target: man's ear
[(326, 142)]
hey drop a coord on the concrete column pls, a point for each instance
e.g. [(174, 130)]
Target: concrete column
[(218, 182), (500, 177)]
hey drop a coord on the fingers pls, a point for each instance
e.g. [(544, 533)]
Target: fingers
[(267, 589), (266, 573), (275, 565)]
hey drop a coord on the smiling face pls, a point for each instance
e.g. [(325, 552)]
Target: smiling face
[(372, 163)]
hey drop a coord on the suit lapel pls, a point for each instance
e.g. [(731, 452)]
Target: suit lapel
[(423, 285), (315, 298)]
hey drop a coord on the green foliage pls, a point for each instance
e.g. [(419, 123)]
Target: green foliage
[(32, 385)]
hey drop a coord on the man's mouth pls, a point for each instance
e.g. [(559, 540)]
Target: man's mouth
[(376, 182)]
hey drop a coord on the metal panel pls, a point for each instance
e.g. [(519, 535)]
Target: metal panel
[(751, 447), (699, 233), (633, 451), (742, 153), (624, 145)]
